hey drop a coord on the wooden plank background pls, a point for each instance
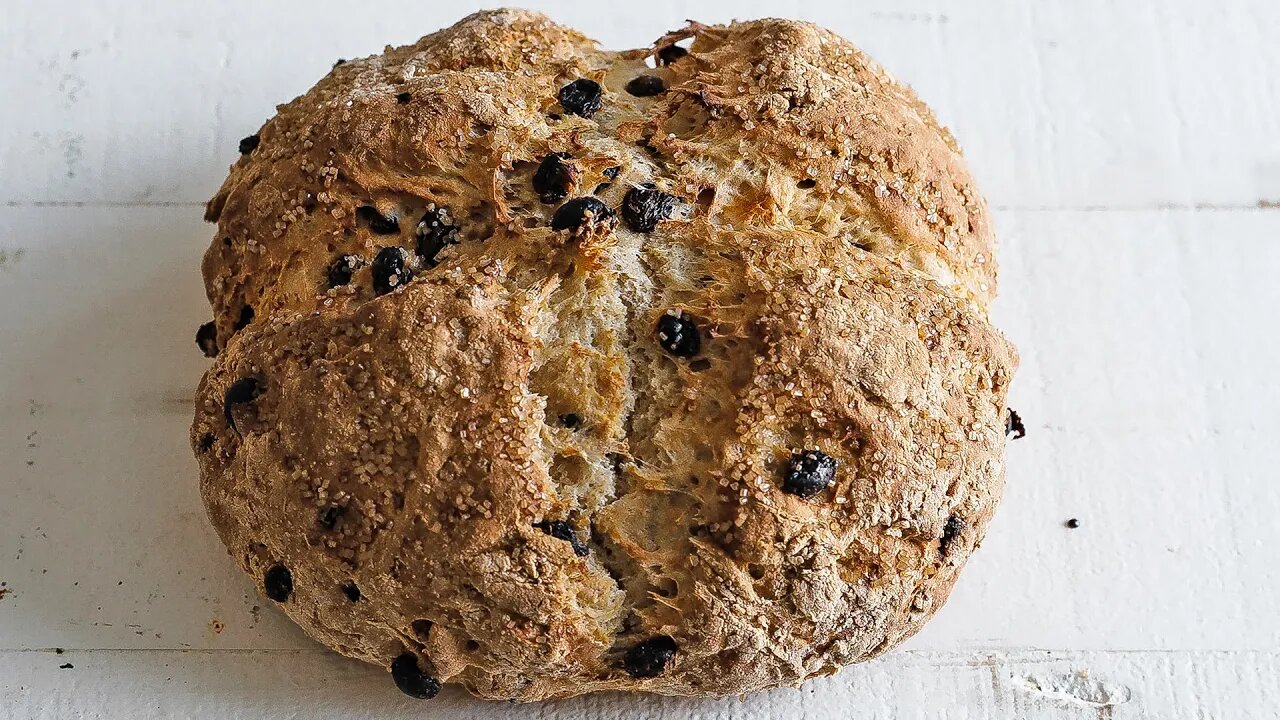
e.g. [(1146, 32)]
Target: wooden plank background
[(1131, 150)]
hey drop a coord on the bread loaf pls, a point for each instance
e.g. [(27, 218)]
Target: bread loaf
[(545, 370)]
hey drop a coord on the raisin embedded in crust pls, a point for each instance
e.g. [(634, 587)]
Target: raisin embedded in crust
[(809, 473), (646, 86), (670, 54), (554, 177), (391, 269), (646, 206), (352, 591), (562, 530), (950, 531), (678, 335), (581, 97), (343, 267), (435, 232), (409, 677), (207, 339), (378, 223), (278, 583), (581, 211), (249, 144), (1013, 427), (244, 390), (649, 658), (330, 515)]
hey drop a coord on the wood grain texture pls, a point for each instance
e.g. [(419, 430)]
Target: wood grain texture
[(1134, 151)]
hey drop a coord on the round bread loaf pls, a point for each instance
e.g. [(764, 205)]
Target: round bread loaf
[(547, 370)]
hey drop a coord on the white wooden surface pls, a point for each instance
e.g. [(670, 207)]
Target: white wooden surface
[(1131, 148)]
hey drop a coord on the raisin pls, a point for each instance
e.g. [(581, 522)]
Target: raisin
[(246, 317), (244, 390), (1073, 523), (574, 214), (341, 270), (278, 583), (581, 97), (647, 86), (435, 232), (329, 516), (809, 473), (950, 531), (410, 678), (1013, 427), (573, 421), (249, 144), (670, 54), (339, 62), (352, 591), (309, 201), (646, 206), (380, 224), (554, 177), (404, 98), (678, 335), (649, 658), (391, 269), (207, 339), (612, 172), (562, 530)]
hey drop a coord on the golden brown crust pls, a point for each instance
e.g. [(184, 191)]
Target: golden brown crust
[(825, 240)]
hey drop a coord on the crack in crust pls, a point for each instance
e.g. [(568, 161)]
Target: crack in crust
[(410, 438)]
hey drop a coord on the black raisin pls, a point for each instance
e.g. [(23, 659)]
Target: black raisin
[(670, 54), (574, 214), (435, 232), (951, 530), (647, 86), (352, 591), (404, 98), (1013, 427), (278, 583), (612, 172), (562, 530), (342, 268), (554, 177), (581, 97), (329, 516), (391, 269), (207, 339), (309, 201), (244, 390), (678, 335), (644, 207), (809, 473), (249, 144), (1073, 523), (410, 678), (380, 224), (339, 62), (246, 317), (573, 421), (649, 658)]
